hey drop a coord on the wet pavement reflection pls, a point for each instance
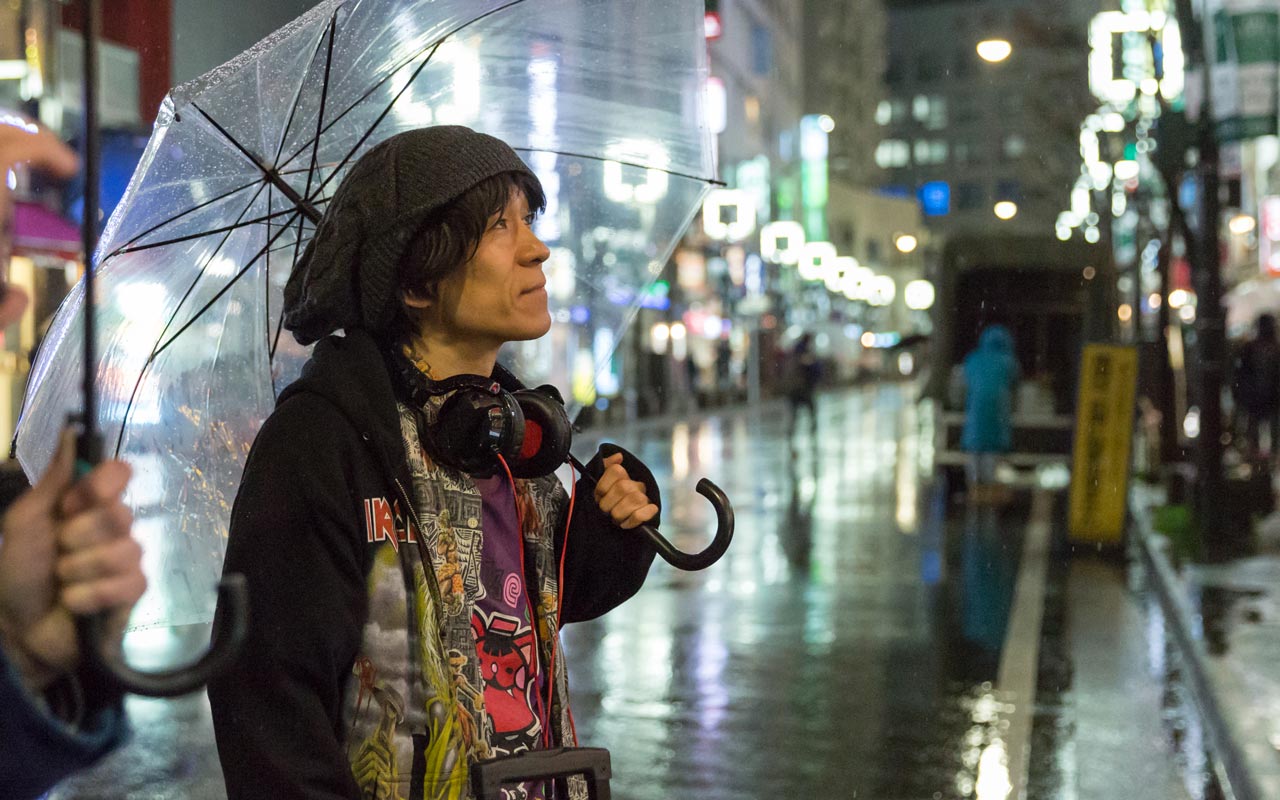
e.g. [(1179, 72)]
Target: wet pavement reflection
[(849, 644)]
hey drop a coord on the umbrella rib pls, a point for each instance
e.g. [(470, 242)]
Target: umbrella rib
[(266, 315), (142, 373), (160, 348), (324, 101), (365, 136), (179, 216), (271, 174), (297, 97), (210, 232), (407, 60), (248, 265), (200, 273), (671, 172)]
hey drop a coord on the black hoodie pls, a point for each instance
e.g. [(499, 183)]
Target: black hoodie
[(298, 535)]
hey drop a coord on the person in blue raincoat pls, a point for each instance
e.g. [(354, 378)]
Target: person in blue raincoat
[(990, 377)]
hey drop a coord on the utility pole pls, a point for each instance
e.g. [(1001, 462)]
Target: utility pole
[(1211, 340)]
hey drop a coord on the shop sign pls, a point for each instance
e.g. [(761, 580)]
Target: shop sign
[(1269, 235), (1104, 433), (1245, 47)]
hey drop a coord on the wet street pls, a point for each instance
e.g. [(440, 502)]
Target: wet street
[(866, 636)]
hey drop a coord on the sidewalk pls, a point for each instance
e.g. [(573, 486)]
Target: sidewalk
[(1225, 620)]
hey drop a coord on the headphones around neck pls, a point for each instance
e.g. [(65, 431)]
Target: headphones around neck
[(484, 418)]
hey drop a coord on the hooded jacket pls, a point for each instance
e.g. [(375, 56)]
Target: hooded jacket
[(990, 374), (351, 684)]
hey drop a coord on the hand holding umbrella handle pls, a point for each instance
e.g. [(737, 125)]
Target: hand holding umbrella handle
[(690, 562), (107, 670)]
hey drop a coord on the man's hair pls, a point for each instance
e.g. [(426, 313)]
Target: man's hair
[(447, 239)]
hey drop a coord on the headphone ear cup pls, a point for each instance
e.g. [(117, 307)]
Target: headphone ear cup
[(547, 434), (474, 427)]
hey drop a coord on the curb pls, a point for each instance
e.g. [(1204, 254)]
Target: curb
[(1226, 754)]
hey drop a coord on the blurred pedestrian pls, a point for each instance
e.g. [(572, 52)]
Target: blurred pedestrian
[(65, 549), (804, 372), (407, 586), (990, 379), (1256, 387)]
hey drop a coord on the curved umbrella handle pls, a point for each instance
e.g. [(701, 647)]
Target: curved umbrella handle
[(109, 671), (691, 562)]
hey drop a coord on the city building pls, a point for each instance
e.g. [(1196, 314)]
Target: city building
[(845, 57), (982, 117)]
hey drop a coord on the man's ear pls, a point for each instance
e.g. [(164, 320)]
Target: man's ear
[(420, 300)]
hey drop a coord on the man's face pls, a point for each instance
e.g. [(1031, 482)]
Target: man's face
[(500, 295)]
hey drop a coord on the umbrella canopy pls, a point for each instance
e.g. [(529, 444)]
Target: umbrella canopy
[(603, 100)]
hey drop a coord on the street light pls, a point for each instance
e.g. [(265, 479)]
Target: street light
[(816, 259), (906, 243), (782, 241), (741, 221), (826, 123), (1241, 224), (994, 50), (919, 295), (1006, 209)]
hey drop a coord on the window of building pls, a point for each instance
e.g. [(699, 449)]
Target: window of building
[(894, 73), (930, 151), (844, 237), (873, 251), (929, 67), (761, 50), (969, 195), (920, 107), (892, 153), (884, 112), (1009, 190), (930, 111), (1015, 144)]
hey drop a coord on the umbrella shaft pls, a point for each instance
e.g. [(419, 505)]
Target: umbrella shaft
[(89, 222)]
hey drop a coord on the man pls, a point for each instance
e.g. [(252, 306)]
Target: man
[(1256, 385), (65, 549), (408, 575)]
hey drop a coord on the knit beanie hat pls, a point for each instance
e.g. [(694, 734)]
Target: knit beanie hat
[(346, 277)]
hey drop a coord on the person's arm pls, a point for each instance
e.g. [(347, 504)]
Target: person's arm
[(49, 737), (65, 549), (294, 536), (606, 564)]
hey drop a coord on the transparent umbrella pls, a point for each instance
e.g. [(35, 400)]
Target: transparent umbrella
[(603, 99)]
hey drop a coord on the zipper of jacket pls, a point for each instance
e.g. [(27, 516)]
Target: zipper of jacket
[(420, 545)]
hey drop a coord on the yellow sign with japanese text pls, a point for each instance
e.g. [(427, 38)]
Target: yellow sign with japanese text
[(1104, 435)]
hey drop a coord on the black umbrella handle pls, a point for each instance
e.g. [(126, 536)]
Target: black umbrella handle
[(108, 673), (690, 562), (105, 669)]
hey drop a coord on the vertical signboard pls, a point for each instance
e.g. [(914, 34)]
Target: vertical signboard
[(813, 177), (1245, 47), (1104, 433), (1269, 235)]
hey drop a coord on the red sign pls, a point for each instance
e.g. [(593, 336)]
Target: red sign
[(711, 25), (1269, 235)]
